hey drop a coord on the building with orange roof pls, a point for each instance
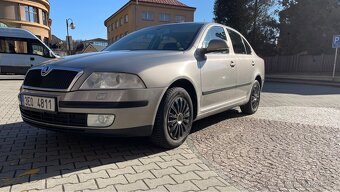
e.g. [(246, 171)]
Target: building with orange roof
[(137, 14)]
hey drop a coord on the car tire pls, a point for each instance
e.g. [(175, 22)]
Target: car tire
[(254, 100), (174, 119)]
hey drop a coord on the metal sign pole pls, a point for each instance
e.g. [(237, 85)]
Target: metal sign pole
[(335, 61)]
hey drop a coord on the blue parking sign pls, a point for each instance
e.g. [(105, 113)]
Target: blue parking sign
[(336, 41)]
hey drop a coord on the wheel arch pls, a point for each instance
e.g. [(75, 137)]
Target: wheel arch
[(190, 88), (186, 84), (259, 79)]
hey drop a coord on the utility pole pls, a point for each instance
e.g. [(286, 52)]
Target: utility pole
[(335, 62), (68, 37), (336, 46)]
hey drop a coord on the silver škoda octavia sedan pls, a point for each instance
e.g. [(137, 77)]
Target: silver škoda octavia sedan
[(154, 82)]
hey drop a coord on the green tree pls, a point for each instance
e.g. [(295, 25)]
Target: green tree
[(255, 19), (308, 27), (234, 13)]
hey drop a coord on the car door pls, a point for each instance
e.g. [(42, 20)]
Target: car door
[(245, 64), (218, 75), (14, 52), (39, 53)]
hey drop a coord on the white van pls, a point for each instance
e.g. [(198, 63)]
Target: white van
[(20, 50)]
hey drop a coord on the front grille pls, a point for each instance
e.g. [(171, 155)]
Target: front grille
[(68, 119), (56, 79)]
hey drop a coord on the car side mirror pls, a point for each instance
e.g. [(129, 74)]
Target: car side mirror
[(217, 45)]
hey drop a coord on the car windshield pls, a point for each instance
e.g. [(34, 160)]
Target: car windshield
[(176, 37)]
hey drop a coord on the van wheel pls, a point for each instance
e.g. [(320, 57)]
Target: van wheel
[(174, 119), (254, 101)]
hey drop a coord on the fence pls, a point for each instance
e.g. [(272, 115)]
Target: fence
[(322, 64)]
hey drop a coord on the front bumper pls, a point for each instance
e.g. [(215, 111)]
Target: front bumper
[(134, 110)]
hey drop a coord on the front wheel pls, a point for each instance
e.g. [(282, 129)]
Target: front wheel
[(174, 119), (254, 101)]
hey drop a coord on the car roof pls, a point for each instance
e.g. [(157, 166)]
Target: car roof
[(16, 32)]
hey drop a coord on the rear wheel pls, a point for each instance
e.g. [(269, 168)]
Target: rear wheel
[(174, 119), (254, 101)]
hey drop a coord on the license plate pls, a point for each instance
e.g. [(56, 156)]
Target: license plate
[(41, 103)]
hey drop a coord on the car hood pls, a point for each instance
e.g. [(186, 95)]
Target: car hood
[(116, 61)]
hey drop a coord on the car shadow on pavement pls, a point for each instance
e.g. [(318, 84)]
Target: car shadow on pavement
[(212, 120), (30, 154), (299, 89)]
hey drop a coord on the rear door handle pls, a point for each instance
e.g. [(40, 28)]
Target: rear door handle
[(232, 63), (32, 59)]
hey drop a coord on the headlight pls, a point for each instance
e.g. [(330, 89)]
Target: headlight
[(99, 80)]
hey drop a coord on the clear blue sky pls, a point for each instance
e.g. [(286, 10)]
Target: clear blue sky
[(89, 15)]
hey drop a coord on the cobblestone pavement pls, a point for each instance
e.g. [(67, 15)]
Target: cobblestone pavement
[(292, 143), (38, 160)]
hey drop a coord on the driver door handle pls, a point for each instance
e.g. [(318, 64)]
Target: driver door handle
[(232, 63), (253, 63)]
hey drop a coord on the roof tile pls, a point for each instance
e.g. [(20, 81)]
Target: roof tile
[(165, 2)]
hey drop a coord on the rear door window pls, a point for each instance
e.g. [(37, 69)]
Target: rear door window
[(237, 41)]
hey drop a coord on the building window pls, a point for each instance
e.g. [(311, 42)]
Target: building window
[(44, 17), (180, 19), (99, 43), (117, 24), (147, 15), (46, 41), (126, 18), (31, 14), (121, 21), (164, 17)]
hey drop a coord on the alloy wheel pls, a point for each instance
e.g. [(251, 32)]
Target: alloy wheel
[(255, 97), (178, 118)]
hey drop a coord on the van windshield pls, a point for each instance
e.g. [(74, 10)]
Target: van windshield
[(176, 37)]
